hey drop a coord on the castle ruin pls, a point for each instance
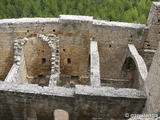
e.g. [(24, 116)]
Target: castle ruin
[(91, 69)]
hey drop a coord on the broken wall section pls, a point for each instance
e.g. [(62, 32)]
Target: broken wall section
[(16, 29), (113, 39), (18, 71), (153, 86), (151, 43), (34, 63)]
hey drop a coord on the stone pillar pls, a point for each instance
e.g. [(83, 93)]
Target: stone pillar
[(95, 67)]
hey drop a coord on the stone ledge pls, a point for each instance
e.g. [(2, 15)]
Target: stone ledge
[(109, 91), (35, 89), (76, 17), (119, 24), (149, 51), (27, 20), (70, 92)]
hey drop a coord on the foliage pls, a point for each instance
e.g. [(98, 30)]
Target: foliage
[(142, 31), (59, 82), (116, 10)]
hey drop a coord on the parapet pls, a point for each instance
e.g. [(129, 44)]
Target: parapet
[(77, 18)]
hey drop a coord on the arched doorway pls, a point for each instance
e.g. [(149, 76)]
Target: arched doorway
[(129, 72), (60, 114)]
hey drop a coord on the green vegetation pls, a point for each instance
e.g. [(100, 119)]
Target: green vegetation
[(116, 10), (59, 82), (142, 31)]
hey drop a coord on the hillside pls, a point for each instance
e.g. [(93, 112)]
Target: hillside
[(115, 10)]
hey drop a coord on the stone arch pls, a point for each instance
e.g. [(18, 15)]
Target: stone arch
[(129, 72), (141, 69), (46, 67), (60, 114)]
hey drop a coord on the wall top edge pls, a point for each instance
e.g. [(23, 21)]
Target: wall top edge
[(70, 92), (35, 89), (76, 17), (27, 20), (119, 24), (73, 18), (109, 91), (156, 4)]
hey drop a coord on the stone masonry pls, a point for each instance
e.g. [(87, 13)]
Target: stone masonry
[(90, 69)]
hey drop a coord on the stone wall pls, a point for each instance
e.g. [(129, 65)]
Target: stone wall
[(153, 86), (113, 38), (74, 34), (116, 83), (151, 43), (85, 102), (40, 56), (74, 46), (134, 68), (154, 25), (13, 29)]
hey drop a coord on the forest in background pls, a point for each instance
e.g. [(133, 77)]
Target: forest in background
[(135, 11)]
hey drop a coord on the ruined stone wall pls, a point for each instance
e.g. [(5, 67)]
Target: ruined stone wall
[(153, 86), (113, 38), (12, 29), (74, 34), (151, 43), (13, 105), (36, 60), (85, 102), (154, 25)]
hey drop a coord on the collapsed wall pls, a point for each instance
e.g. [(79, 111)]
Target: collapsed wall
[(152, 41), (36, 61)]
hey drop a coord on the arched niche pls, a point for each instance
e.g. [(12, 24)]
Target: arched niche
[(37, 55), (129, 72), (60, 114)]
